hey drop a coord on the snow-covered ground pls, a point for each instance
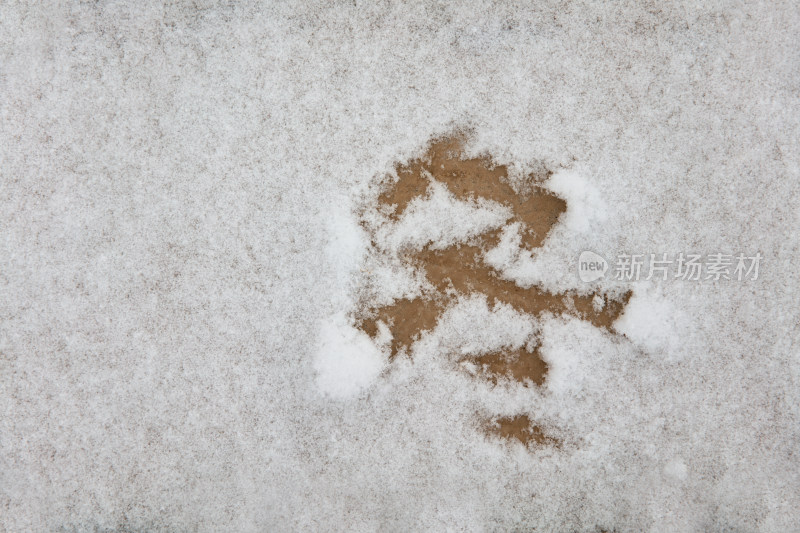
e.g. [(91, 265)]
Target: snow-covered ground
[(183, 196)]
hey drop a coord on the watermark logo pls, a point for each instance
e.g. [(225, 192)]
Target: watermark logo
[(591, 266), (663, 266)]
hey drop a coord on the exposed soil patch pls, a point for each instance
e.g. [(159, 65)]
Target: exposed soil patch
[(537, 209), (520, 428), (460, 269), (407, 319), (520, 365)]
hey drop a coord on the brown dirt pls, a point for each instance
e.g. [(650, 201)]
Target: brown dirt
[(521, 428), (471, 179), (520, 365), (461, 270), (406, 318)]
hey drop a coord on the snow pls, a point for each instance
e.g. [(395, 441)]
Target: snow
[(183, 193), (440, 219), (585, 206), (348, 361), (653, 323)]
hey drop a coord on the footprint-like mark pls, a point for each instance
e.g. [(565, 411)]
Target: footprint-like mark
[(460, 270)]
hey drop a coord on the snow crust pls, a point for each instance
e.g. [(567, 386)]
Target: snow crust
[(440, 220), (348, 361), (182, 192)]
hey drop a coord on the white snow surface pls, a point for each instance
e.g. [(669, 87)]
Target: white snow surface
[(439, 220), (182, 191), (348, 361)]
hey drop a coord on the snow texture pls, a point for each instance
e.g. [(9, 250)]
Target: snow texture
[(348, 361), (183, 193)]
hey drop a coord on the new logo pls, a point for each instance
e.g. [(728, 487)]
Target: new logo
[(591, 266)]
